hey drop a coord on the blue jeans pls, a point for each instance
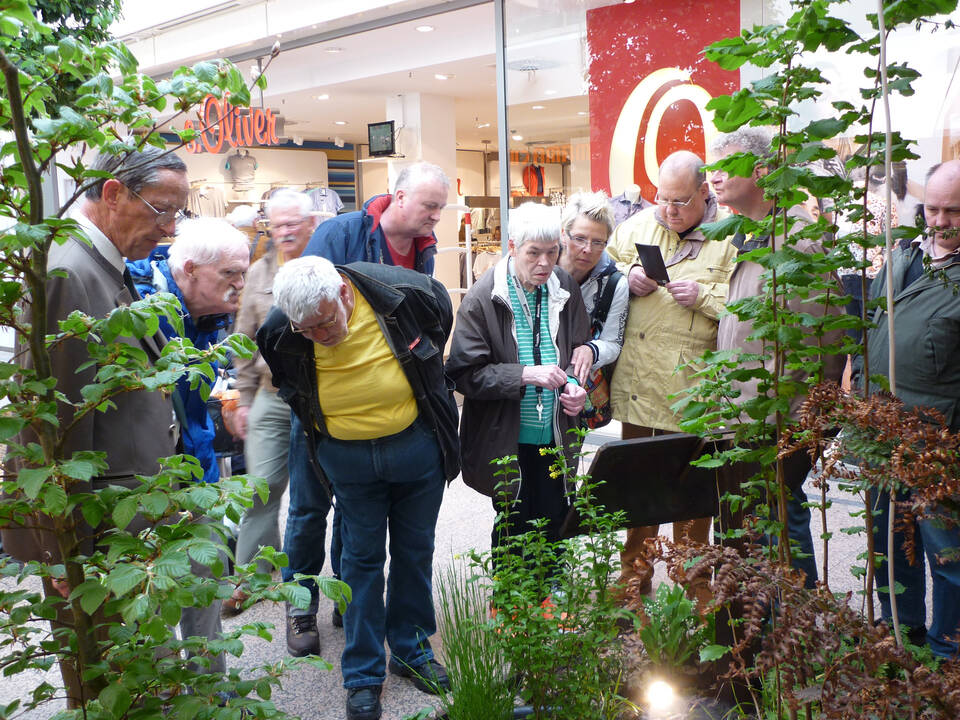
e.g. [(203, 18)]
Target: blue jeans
[(932, 539), (303, 541), (396, 483)]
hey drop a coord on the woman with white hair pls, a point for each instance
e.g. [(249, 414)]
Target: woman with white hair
[(515, 336)]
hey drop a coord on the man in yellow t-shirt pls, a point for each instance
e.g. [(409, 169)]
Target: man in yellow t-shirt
[(357, 352)]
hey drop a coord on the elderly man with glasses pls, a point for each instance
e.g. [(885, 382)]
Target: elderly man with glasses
[(668, 325), (357, 352)]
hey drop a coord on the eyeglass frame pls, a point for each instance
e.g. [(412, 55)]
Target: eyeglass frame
[(674, 203), (295, 225), (581, 241), (319, 326), (178, 214)]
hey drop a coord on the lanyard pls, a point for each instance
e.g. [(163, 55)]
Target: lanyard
[(534, 325)]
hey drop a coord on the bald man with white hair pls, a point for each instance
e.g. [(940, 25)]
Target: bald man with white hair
[(667, 325)]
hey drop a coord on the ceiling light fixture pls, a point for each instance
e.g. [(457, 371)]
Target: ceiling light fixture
[(444, 76), (339, 122), (333, 49), (549, 92), (581, 112), (425, 28), (537, 107), (324, 96), (517, 137), (480, 126)]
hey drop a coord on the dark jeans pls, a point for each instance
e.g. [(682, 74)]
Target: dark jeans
[(392, 483), (931, 539), (539, 496), (303, 541)]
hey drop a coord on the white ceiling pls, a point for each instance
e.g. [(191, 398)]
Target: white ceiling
[(371, 66)]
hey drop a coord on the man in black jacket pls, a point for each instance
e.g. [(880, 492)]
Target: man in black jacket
[(357, 353)]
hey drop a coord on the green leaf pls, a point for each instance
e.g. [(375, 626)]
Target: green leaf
[(124, 578), (30, 480), (116, 699), (91, 594), (124, 512), (713, 652), (78, 469), (10, 426)]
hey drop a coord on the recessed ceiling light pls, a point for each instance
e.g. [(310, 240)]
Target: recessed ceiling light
[(424, 28), (537, 107), (324, 96), (339, 122), (549, 92), (518, 138), (480, 126), (444, 76), (581, 112), (333, 49)]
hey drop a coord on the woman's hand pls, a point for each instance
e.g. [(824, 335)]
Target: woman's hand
[(545, 376), (582, 361), (572, 399)]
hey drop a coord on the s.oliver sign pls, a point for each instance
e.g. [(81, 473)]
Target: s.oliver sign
[(649, 85), (223, 126)]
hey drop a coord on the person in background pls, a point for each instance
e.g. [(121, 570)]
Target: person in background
[(668, 326), (512, 357), (262, 418), (357, 353)]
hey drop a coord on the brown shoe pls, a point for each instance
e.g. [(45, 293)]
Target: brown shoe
[(233, 605)]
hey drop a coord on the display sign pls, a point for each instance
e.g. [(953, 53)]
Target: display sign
[(649, 85), (224, 127)]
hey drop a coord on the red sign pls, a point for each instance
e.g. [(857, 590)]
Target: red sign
[(649, 83), (226, 126)]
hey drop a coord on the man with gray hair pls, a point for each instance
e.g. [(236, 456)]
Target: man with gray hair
[(123, 216), (668, 324), (749, 279), (262, 418), (357, 352), (392, 229)]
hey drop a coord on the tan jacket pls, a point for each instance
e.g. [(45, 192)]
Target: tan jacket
[(253, 373), (747, 281), (661, 334)]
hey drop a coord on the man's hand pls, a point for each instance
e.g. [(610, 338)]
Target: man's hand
[(685, 292), (545, 376), (582, 361), (239, 421), (640, 284), (572, 399)]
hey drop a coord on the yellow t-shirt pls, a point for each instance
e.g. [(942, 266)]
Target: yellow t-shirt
[(362, 390)]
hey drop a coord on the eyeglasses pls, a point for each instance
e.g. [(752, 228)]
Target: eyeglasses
[(674, 203), (583, 241), (319, 326), (291, 226), (164, 217)]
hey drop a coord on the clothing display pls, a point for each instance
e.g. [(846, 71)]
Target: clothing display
[(533, 179), (242, 167), (206, 201), (325, 200), (624, 208)]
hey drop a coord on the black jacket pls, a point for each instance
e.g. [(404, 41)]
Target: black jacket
[(415, 315)]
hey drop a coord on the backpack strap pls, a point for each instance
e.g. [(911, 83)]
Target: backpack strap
[(601, 307)]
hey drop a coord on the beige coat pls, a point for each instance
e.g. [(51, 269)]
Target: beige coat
[(662, 335), (747, 281), (253, 373)]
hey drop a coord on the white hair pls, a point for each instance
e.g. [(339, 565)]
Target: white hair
[(204, 241), (300, 285), (289, 199), (412, 176), (754, 140), (595, 207), (534, 222)]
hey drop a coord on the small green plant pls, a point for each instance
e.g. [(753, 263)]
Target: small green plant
[(673, 630)]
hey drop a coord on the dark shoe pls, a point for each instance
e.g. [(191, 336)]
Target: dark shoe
[(337, 619), (363, 703), (302, 636), (429, 677), (233, 605), (917, 636)]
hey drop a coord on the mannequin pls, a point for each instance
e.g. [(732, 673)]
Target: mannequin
[(632, 193), (627, 203)]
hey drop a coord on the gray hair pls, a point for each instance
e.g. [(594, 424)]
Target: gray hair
[(593, 206), (204, 241), (685, 162), (412, 176), (533, 222), (754, 140), (135, 170), (283, 199), (300, 285)]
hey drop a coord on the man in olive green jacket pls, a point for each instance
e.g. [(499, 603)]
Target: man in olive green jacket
[(667, 326)]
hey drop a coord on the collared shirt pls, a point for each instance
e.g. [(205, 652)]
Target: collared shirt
[(623, 208), (927, 245), (101, 243)]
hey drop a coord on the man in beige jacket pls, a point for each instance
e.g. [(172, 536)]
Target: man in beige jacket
[(667, 326), (262, 418)]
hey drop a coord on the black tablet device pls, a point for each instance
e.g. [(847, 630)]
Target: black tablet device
[(652, 260)]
